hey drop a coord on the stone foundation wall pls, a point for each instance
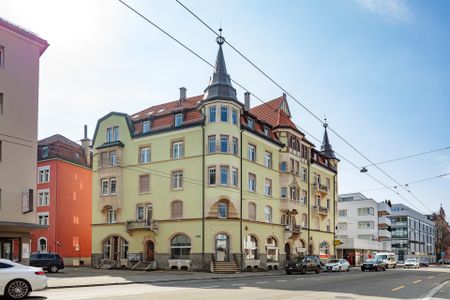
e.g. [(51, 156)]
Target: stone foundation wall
[(96, 259)]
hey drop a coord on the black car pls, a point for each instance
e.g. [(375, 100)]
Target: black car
[(374, 265), (51, 262), (304, 264)]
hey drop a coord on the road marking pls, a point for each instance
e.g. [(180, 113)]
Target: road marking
[(281, 280), (260, 282), (237, 284), (398, 288), (417, 281), (430, 277), (209, 287), (433, 291), (300, 279)]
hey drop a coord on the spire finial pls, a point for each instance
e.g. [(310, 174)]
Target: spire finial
[(325, 124), (220, 39)]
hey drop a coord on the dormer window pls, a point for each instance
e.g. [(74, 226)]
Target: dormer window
[(250, 123), (145, 126), (178, 120), (45, 152), (266, 131), (112, 134)]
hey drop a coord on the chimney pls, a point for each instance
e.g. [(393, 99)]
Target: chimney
[(246, 101), (182, 94), (86, 143)]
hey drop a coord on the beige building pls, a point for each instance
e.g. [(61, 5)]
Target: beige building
[(20, 51)]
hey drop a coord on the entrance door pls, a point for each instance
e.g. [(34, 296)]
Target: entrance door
[(115, 248), (287, 250), (150, 251), (222, 248)]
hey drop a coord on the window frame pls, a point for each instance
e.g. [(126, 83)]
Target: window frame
[(148, 157), (251, 152), (44, 216), (234, 177), (178, 120), (111, 216), (46, 193), (146, 126), (224, 109), (179, 144), (111, 185), (224, 175), (268, 159), (268, 214), (234, 116), (212, 147), (141, 191), (210, 169), (268, 187), (227, 140), (219, 212), (45, 171), (102, 186), (177, 180), (252, 187), (210, 113)]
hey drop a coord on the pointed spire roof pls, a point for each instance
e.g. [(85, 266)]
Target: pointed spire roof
[(326, 148), (220, 85)]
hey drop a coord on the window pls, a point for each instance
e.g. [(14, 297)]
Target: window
[(43, 197), (294, 193), (212, 144), (234, 177), (2, 56), (268, 214), (43, 218), (250, 123), (365, 211), (112, 159), (365, 225), (224, 175), (304, 220), (144, 183), (177, 149), (224, 143), (140, 212), (235, 146), (112, 186), (45, 152), (44, 174), (266, 131), (304, 197), (222, 212), (177, 209), (251, 155), (178, 120), (112, 134), (144, 155), (180, 247), (328, 225), (145, 126), (283, 192), (234, 117), (111, 216), (212, 114), (42, 245), (1, 104), (369, 237), (252, 211), (304, 174), (250, 247), (268, 187), (283, 166), (105, 185), (328, 203), (177, 180), (251, 182), (268, 159), (342, 213), (212, 175), (224, 114)]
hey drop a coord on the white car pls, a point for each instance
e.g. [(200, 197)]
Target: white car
[(337, 265), (411, 263), (17, 280)]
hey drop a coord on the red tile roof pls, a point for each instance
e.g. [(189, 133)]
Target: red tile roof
[(268, 111)]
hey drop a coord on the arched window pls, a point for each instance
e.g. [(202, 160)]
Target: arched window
[(272, 249), (180, 247), (177, 209), (42, 244), (268, 214), (115, 248), (304, 220), (222, 212), (317, 223), (251, 247), (252, 211)]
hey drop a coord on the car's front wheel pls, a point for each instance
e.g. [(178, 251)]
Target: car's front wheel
[(318, 271), (17, 289), (53, 269)]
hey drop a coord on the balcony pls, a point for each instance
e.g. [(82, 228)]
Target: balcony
[(384, 221), (384, 209), (323, 211), (291, 231), (287, 205), (321, 188), (145, 224), (384, 234)]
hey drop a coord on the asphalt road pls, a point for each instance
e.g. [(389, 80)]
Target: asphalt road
[(392, 284)]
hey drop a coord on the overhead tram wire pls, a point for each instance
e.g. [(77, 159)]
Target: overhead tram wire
[(258, 98), (409, 183), (302, 105)]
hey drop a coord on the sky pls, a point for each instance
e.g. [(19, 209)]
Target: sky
[(378, 70)]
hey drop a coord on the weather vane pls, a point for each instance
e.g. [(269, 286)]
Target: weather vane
[(220, 39)]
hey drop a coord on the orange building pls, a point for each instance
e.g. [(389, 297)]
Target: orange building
[(64, 192)]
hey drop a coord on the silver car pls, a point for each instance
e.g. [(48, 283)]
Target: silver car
[(411, 263), (338, 265)]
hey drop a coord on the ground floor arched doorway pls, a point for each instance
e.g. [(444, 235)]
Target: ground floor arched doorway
[(150, 251), (222, 247), (287, 250)]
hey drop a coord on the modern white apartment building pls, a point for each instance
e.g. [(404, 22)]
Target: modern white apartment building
[(20, 51), (363, 227)]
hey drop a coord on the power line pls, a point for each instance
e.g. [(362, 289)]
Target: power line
[(204, 60), (409, 183), (301, 104)]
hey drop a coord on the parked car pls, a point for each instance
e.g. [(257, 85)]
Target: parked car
[(424, 262), (387, 257), (411, 263), (337, 265), (305, 264), (51, 262), (17, 280), (444, 261), (374, 265)]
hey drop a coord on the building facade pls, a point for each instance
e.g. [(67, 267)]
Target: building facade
[(206, 182), (64, 192), (20, 51), (412, 234), (363, 227)]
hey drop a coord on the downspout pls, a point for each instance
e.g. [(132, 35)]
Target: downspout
[(334, 215), (241, 204), (203, 198), (56, 205), (309, 203)]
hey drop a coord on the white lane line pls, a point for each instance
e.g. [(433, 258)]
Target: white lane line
[(209, 287), (430, 277), (433, 291), (398, 288), (281, 280), (300, 279), (261, 282), (417, 281), (237, 284)]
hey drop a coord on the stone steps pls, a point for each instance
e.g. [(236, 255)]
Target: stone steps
[(224, 267)]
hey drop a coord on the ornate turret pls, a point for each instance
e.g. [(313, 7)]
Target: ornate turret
[(220, 85), (326, 148)]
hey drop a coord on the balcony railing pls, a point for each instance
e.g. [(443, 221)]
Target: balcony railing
[(149, 224), (320, 187), (293, 228), (323, 210)]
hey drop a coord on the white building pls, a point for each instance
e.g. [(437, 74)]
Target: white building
[(363, 227)]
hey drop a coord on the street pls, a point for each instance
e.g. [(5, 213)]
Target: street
[(392, 284)]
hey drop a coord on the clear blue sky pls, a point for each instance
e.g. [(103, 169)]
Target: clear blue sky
[(378, 69)]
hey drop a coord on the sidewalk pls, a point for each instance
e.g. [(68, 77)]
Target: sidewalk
[(85, 276)]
